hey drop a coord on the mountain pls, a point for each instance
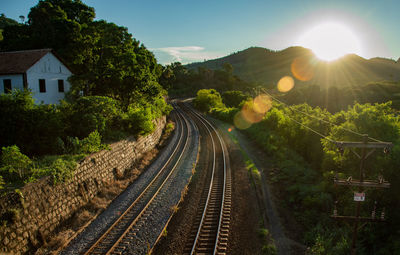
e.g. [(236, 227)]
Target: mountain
[(267, 67)]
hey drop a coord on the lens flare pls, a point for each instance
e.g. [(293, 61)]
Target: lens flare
[(240, 122), (250, 114), (262, 103), (285, 84), (302, 68)]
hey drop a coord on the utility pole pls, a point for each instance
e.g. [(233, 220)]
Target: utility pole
[(361, 184)]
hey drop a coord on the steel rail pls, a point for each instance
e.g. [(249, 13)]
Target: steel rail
[(223, 146), (224, 204), (130, 227), (119, 220)]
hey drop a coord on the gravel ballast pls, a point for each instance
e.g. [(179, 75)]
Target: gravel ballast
[(105, 219)]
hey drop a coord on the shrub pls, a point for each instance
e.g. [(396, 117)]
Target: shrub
[(233, 98), (90, 144), (60, 168), (207, 99), (169, 128), (34, 127), (91, 113), (138, 120), (14, 162), (224, 113), (1, 182)]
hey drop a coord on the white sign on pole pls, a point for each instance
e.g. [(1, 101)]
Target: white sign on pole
[(359, 197)]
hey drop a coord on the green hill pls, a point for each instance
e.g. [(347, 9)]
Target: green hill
[(267, 67)]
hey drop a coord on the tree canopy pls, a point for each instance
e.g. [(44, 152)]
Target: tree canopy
[(105, 59)]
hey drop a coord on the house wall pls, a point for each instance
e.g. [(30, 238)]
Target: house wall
[(52, 70), (16, 81)]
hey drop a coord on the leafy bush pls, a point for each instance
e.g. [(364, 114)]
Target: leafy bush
[(91, 113), (60, 168), (169, 127), (90, 144), (233, 98), (224, 113), (14, 162), (138, 119), (75, 128), (1, 182), (34, 127), (207, 99)]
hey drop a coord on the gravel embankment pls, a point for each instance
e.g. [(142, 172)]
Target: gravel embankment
[(104, 220), (170, 195)]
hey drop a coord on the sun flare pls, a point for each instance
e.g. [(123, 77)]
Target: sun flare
[(330, 41)]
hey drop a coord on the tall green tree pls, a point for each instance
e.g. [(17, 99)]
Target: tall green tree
[(105, 59)]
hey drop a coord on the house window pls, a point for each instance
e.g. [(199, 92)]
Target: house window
[(7, 85), (42, 85), (60, 85)]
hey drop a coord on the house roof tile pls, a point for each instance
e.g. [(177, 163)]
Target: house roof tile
[(15, 62)]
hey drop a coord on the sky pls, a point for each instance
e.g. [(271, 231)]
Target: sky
[(193, 31)]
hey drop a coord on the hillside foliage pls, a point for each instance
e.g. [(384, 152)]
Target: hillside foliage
[(266, 67), (306, 163), (181, 81)]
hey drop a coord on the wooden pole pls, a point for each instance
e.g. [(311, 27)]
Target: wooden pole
[(355, 230)]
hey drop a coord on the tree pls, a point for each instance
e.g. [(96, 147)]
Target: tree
[(228, 68), (207, 99), (105, 59), (5, 22), (119, 66), (13, 161), (233, 98)]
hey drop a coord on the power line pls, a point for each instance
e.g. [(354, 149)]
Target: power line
[(320, 119), (312, 130)]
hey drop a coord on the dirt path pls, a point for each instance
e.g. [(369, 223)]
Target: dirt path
[(283, 243)]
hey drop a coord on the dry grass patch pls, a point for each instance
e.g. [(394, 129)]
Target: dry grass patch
[(147, 158), (55, 243), (81, 218), (98, 203)]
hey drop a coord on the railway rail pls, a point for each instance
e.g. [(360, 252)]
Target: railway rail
[(122, 233), (211, 227)]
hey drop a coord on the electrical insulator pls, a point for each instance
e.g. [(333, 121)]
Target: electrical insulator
[(383, 214)]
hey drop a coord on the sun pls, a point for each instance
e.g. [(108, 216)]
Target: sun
[(330, 41)]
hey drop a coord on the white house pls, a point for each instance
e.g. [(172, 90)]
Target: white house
[(40, 71)]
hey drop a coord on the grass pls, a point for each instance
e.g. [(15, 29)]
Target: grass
[(55, 243), (169, 128), (81, 218)]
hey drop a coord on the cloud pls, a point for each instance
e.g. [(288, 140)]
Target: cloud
[(183, 54)]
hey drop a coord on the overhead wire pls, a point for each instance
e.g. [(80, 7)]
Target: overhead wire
[(320, 119), (312, 130)]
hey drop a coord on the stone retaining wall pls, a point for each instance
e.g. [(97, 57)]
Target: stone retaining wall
[(40, 207)]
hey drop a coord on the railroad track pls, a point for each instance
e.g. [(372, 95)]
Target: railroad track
[(210, 230), (122, 234)]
